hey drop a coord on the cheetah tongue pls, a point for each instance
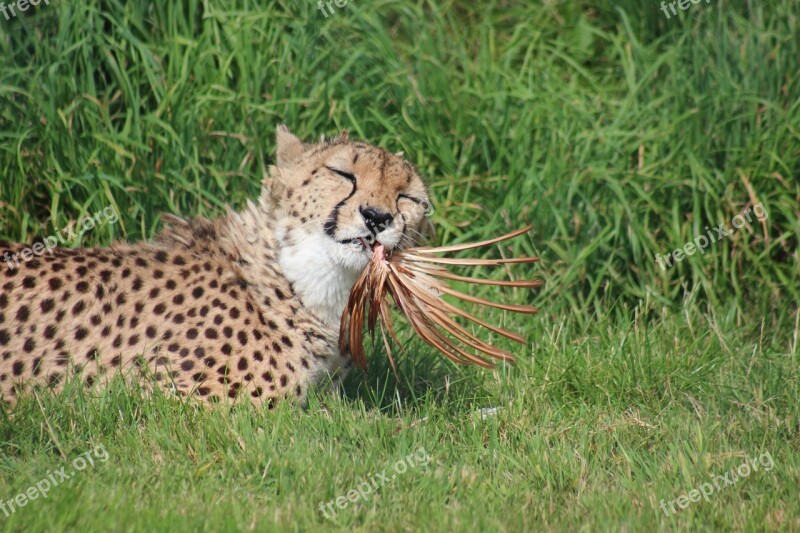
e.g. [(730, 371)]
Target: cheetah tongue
[(378, 251)]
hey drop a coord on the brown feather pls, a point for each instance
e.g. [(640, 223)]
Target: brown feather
[(416, 287)]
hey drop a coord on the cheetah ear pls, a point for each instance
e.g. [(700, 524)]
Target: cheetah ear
[(289, 146), (274, 186)]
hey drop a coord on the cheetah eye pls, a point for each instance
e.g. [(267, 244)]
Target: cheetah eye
[(412, 198), (422, 203), (342, 173)]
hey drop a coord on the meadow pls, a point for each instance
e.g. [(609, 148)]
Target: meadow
[(618, 133)]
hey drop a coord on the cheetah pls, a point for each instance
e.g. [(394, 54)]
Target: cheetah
[(243, 306)]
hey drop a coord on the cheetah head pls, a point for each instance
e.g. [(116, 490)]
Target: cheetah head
[(335, 200)]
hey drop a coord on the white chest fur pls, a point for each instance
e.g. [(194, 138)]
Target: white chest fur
[(322, 283)]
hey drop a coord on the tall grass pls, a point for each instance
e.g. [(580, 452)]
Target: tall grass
[(619, 133)]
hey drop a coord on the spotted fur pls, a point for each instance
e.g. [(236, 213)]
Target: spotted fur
[(246, 305)]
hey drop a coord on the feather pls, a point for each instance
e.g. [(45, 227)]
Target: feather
[(416, 283)]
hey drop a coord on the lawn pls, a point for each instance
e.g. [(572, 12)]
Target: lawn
[(653, 394)]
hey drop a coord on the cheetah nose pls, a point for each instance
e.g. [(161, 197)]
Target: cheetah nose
[(376, 220)]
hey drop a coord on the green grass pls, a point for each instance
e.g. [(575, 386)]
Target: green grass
[(618, 133)]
